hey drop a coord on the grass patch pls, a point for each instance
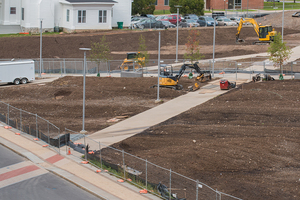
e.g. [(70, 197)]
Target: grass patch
[(26, 35), (279, 6), (161, 12), (120, 173)]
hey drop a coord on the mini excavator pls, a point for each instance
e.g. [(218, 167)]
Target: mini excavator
[(265, 33), (168, 80), (132, 61)]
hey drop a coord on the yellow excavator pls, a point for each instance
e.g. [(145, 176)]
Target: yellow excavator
[(130, 62), (168, 80), (265, 33)]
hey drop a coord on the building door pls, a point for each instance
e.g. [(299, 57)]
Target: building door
[(230, 4)]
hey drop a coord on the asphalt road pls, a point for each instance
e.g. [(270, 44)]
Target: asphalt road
[(21, 179)]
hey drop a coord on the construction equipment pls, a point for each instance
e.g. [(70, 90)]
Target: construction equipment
[(226, 85), (264, 77), (168, 80), (132, 62), (265, 33)]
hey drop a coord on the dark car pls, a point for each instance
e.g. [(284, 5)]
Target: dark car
[(151, 23), (206, 21), (168, 24)]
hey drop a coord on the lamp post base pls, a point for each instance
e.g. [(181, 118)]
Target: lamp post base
[(83, 132)]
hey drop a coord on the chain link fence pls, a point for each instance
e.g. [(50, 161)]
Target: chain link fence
[(33, 125), (157, 180)]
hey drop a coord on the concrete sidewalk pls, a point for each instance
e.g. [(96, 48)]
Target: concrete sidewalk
[(70, 168), (156, 115)]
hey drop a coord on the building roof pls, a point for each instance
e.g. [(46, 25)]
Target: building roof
[(91, 1)]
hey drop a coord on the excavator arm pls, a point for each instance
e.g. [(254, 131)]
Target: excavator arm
[(192, 66), (246, 20)]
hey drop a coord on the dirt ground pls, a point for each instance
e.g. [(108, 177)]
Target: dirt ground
[(244, 143), (123, 41), (60, 102)]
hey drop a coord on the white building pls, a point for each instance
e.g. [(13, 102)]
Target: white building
[(72, 15)]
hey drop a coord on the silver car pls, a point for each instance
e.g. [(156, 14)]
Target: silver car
[(226, 22)]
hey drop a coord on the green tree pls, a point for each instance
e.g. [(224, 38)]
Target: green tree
[(279, 52), (143, 56), (187, 6), (193, 46), (143, 7), (100, 52)]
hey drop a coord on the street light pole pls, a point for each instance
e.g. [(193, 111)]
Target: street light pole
[(84, 72), (158, 70), (282, 21), (213, 65), (41, 47), (177, 17)]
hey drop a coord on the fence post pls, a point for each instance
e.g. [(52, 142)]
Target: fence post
[(146, 175), (21, 127), (85, 156), (36, 126), (64, 66), (123, 164), (197, 186), (100, 155), (60, 69), (66, 142), (48, 133), (292, 73), (170, 184), (264, 64), (59, 141), (8, 114), (235, 71), (109, 68)]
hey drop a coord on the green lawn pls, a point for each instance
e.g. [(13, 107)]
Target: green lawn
[(278, 6), (161, 12), (24, 35)]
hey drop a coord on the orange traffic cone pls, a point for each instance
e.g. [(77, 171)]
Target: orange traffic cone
[(121, 180), (18, 133), (69, 152), (36, 139), (98, 170), (45, 145), (144, 191)]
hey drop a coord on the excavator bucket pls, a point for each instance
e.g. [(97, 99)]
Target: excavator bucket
[(194, 87), (239, 40)]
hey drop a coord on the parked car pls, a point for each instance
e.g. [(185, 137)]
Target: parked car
[(206, 21), (173, 18), (191, 16), (133, 24), (151, 23), (296, 14), (168, 24), (186, 23), (226, 22), (148, 15), (162, 18), (235, 19), (273, 0)]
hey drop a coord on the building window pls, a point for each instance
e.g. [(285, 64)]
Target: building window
[(81, 16), (12, 10), (156, 2), (166, 2), (102, 16), (68, 15), (22, 13)]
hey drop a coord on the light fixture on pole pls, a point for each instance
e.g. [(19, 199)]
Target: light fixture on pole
[(84, 68), (177, 17)]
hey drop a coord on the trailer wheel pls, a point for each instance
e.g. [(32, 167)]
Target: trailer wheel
[(24, 81), (17, 81)]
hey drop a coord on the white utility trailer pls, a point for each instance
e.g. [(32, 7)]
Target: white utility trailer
[(17, 71)]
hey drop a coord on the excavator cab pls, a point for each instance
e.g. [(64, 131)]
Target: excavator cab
[(167, 79)]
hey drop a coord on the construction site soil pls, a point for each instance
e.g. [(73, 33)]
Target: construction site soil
[(123, 41), (244, 143)]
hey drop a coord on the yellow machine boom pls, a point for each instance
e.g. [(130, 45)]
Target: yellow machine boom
[(265, 33)]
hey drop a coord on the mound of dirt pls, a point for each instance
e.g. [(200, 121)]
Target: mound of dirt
[(275, 19)]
